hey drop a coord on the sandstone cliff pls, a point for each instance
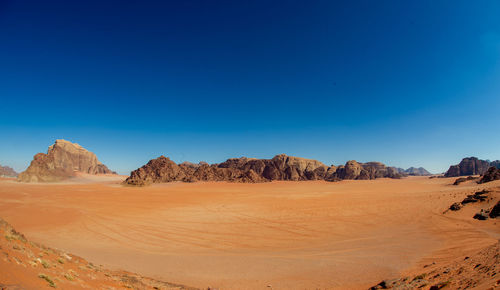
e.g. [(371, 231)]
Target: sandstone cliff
[(280, 167), (6, 171), (468, 166), (62, 160), (370, 170)]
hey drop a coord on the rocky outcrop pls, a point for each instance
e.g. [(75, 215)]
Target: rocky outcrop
[(464, 179), (6, 171), (477, 271), (162, 169), (479, 196), (362, 171), (280, 167), (63, 160), (495, 211), (468, 166), (492, 174)]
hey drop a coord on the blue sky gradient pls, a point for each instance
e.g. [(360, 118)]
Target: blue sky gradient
[(407, 83)]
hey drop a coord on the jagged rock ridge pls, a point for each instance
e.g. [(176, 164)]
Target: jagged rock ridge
[(62, 160), (6, 171), (470, 166), (280, 167)]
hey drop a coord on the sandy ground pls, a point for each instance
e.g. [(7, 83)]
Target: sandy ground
[(27, 265), (280, 235)]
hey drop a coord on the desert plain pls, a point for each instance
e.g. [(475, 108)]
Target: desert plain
[(276, 235)]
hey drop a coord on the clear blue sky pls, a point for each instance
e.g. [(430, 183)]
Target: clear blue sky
[(407, 83)]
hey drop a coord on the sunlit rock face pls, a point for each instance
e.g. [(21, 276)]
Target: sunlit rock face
[(468, 166), (63, 160), (251, 170)]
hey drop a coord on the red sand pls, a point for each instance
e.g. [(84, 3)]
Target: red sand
[(302, 235)]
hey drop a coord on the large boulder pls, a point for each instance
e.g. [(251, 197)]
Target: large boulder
[(62, 161), (492, 174), (6, 171), (468, 166)]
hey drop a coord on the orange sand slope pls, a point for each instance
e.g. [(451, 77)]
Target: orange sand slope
[(285, 235), (28, 265)]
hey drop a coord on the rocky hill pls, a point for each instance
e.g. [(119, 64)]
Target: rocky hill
[(280, 167), (6, 171), (468, 166), (62, 160)]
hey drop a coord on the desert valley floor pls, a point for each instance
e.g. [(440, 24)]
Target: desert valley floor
[(279, 235)]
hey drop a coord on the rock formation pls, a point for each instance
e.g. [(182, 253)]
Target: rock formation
[(495, 163), (495, 211), (6, 171), (468, 166), (464, 179), (493, 173), (62, 160), (280, 167), (370, 170)]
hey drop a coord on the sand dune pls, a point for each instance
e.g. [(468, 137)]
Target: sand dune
[(285, 235)]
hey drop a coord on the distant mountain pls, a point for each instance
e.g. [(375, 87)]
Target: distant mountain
[(62, 160), (6, 171), (280, 167), (413, 171), (471, 166)]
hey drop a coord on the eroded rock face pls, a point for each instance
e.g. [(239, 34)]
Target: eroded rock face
[(62, 160), (162, 169), (6, 171), (280, 167), (468, 166), (364, 171), (492, 174)]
